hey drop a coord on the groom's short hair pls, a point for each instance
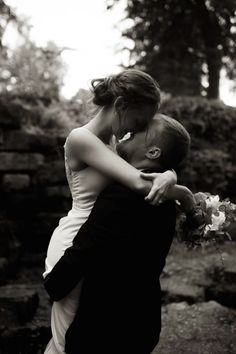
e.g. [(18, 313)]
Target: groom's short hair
[(171, 137)]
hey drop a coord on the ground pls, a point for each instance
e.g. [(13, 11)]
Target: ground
[(198, 311), (192, 323)]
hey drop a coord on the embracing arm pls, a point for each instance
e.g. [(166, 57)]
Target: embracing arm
[(96, 235), (183, 195), (88, 148), (67, 272), (76, 261)]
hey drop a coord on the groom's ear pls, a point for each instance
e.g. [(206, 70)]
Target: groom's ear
[(153, 153)]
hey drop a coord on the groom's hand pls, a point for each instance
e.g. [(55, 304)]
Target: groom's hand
[(160, 184)]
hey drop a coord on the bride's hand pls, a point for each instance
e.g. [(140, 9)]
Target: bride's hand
[(160, 183)]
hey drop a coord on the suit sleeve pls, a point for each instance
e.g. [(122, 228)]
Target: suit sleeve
[(93, 236), (68, 271)]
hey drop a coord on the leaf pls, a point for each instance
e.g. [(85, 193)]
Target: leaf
[(228, 235)]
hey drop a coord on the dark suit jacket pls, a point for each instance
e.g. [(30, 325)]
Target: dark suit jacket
[(119, 252)]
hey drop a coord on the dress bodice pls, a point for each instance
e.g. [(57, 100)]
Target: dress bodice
[(85, 185)]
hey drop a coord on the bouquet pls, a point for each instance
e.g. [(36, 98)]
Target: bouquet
[(209, 223)]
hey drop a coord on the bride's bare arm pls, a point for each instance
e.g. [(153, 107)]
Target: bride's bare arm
[(183, 195), (88, 148), (174, 192)]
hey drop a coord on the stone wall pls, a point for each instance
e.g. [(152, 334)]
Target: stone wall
[(34, 191), (33, 196)]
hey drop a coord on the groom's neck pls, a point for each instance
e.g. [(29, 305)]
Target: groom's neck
[(145, 167)]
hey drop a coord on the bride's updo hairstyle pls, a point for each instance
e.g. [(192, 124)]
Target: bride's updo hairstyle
[(137, 88)]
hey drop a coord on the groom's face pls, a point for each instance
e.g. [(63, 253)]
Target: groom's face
[(136, 151), (133, 148), (142, 149)]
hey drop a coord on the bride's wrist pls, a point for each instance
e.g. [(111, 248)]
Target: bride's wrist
[(143, 186), (172, 176)]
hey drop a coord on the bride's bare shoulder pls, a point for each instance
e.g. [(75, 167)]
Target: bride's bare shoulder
[(78, 133), (81, 136)]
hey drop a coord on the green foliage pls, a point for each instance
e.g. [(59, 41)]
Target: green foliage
[(211, 166), (63, 116), (28, 70), (34, 71), (9, 16), (31, 78), (178, 42), (38, 115)]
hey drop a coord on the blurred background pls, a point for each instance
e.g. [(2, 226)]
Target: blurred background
[(49, 52)]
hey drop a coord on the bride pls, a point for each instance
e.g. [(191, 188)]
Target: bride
[(128, 102)]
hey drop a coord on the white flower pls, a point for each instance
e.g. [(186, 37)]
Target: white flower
[(217, 222), (213, 201)]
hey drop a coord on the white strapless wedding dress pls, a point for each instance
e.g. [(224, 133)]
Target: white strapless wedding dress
[(85, 185)]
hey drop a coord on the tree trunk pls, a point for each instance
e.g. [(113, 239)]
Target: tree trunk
[(214, 67), (211, 36)]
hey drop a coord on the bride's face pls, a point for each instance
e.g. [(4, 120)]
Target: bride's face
[(131, 120)]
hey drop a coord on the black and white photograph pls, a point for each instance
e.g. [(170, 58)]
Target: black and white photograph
[(117, 177)]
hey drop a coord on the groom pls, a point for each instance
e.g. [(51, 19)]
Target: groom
[(120, 253)]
